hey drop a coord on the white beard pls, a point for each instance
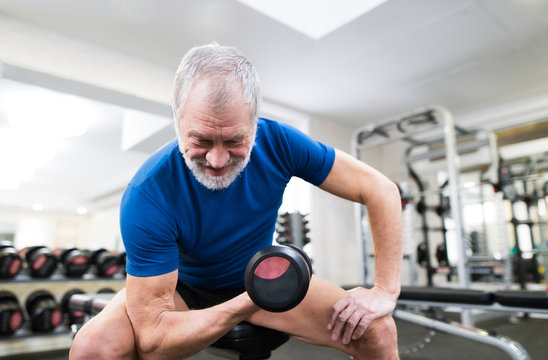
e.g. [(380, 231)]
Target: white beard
[(197, 166)]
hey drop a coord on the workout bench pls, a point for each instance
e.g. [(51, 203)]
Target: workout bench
[(507, 301), (245, 341)]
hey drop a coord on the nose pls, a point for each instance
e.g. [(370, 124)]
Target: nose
[(217, 157)]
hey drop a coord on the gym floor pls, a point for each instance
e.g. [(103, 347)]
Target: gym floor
[(529, 332)]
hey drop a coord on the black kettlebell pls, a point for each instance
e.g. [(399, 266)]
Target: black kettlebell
[(11, 315), (41, 262), (106, 264), (10, 260), (74, 262), (277, 277), (43, 311)]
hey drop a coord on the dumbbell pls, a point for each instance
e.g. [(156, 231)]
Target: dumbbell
[(10, 261), (74, 262), (11, 315), (105, 263), (41, 262), (277, 277), (122, 261), (43, 311), (106, 290), (73, 316)]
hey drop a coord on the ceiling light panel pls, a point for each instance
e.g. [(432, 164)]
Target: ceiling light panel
[(314, 18)]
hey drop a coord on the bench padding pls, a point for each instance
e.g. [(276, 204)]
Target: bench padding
[(448, 295), (523, 298)]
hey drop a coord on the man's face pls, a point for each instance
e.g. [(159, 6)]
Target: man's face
[(216, 143)]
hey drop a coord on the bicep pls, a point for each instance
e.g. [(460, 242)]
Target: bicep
[(148, 297)]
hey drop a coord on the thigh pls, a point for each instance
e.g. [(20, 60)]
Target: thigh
[(108, 334), (95, 339), (308, 321)]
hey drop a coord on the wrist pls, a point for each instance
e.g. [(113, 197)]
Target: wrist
[(245, 305), (392, 290)]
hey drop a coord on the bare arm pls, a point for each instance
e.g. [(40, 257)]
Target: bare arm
[(161, 332), (356, 181)]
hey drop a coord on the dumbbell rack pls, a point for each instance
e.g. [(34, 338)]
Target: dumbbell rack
[(24, 341)]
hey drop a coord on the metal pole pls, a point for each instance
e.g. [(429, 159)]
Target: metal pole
[(514, 349), (409, 246), (359, 216), (453, 170)]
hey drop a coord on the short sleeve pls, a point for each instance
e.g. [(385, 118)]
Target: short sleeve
[(309, 159), (149, 235)]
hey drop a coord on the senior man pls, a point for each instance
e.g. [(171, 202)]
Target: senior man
[(200, 207)]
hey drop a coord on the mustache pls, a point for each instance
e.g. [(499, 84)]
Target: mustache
[(203, 162)]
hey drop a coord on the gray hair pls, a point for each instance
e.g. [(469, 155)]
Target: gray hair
[(223, 65)]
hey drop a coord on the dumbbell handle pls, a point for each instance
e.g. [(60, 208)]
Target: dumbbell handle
[(90, 304)]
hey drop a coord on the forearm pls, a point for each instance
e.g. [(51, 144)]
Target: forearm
[(384, 212), (356, 181), (174, 334)]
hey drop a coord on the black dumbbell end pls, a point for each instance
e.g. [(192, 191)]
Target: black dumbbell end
[(277, 278), (11, 315), (43, 311)]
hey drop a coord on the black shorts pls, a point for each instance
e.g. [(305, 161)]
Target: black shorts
[(196, 298)]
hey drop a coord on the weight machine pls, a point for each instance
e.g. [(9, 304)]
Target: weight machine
[(431, 135), (524, 184)]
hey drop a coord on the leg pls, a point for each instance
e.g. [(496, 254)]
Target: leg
[(112, 329), (308, 322)]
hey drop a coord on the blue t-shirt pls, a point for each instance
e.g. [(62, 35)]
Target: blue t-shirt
[(170, 221)]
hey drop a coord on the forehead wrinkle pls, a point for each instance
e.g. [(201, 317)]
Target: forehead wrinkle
[(223, 132)]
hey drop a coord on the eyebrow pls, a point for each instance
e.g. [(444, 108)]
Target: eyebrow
[(195, 134), (238, 137), (199, 136)]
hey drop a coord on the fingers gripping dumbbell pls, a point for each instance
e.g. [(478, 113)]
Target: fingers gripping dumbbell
[(277, 277)]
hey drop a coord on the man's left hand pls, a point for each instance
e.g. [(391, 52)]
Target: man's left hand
[(352, 315)]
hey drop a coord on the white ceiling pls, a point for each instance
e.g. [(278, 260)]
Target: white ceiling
[(466, 55)]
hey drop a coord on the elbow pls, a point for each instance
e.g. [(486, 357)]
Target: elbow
[(384, 190), (388, 185), (148, 340), (146, 345), (394, 191)]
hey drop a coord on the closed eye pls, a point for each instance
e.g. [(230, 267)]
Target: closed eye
[(202, 142), (235, 141), (231, 143)]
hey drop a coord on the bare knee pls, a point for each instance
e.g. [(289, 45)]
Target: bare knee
[(109, 335), (85, 345), (380, 340)]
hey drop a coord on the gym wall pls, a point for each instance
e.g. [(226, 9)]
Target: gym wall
[(60, 230), (333, 231)]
